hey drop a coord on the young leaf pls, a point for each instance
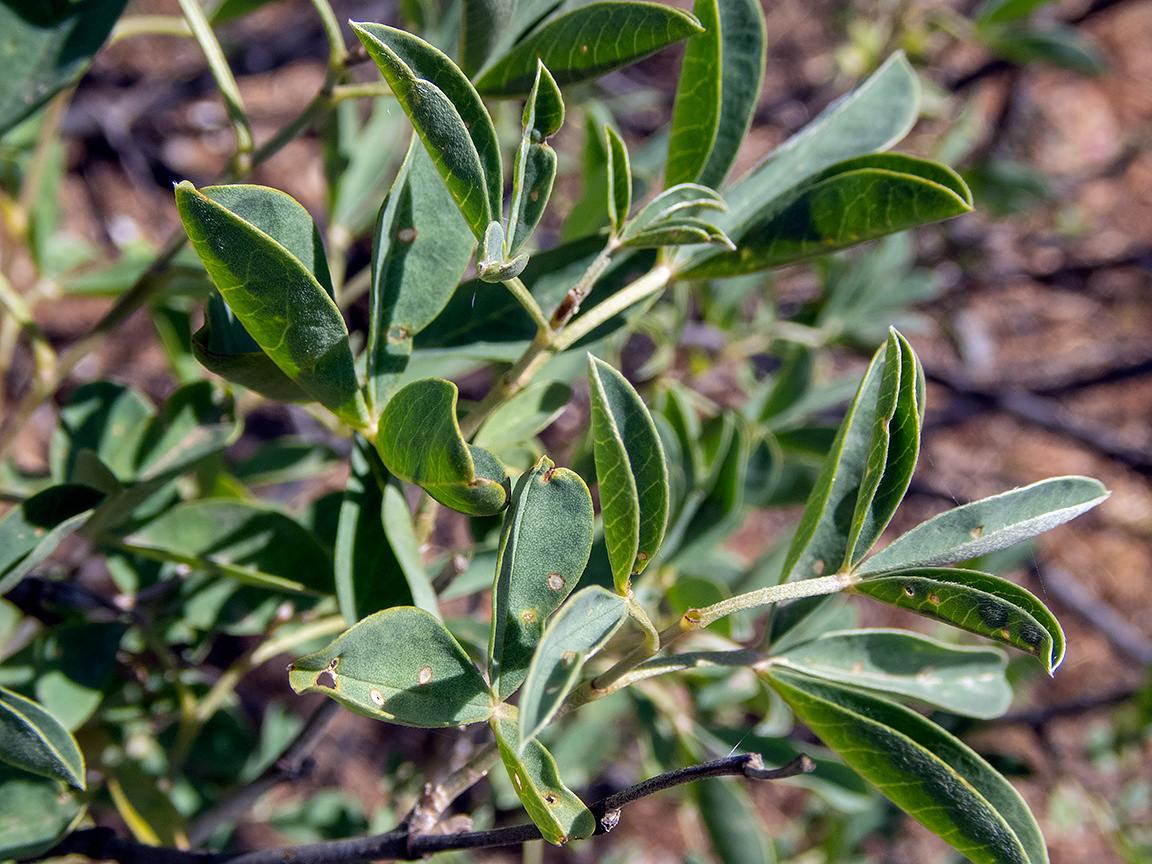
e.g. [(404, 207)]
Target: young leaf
[(448, 116), (966, 681), (894, 447), (989, 524), (32, 739), (631, 472), (491, 263), (675, 203), (32, 530), (420, 442), (580, 629), (678, 232), (554, 808), (585, 43), (421, 248), (264, 254), (719, 84), (848, 203), (535, 167), (619, 180), (973, 601), (544, 547), (400, 665), (922, 769)]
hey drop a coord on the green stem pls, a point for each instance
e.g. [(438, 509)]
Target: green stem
[(697, 619), (538, 353), (331, 25), (149, 25), (525, 299), (650, 645), (651, 282), (371, 90), (222, 72), (570, 305)]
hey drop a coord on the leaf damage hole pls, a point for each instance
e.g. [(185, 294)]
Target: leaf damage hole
[(330, 671), (406, 235), (398, 333), (568, 658), (550, 799), (910, 590), (977, 531), (934, 599), (377, 697), (693, 616), (555, 581), (818, 567), (425, 675)]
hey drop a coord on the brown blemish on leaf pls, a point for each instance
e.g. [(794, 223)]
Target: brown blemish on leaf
[(692, 616), (425, 675), (977, 531), (555, 581), (406, 235), (1005, 634), (517, 782), (528, 616), (934, 599), (398, 333), (547, 475), (818, 567), (583, 49), (568, 657), (550, 799), (377, 697)]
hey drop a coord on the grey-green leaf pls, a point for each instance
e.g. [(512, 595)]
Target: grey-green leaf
[(735, 830), (580, 629), (678, 202), (588, 42), (925, 771), (989, 524), (35, 812), (631, 472), (963, 680), (524, 415), (419, 440), (32, 739), (421, 249), (400, 665), (978, 602), (32, 530), (719, 83), (619, 179), (554, 808), (535, 167), (448, 116), (262, 251), (544, 547)]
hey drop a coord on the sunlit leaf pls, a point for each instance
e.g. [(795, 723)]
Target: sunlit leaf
[(535, 167), (400, 665), (32, 739)]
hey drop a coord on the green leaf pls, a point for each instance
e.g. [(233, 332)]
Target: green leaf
[(1001, 11), (554, 808), (482, 24), (47, 48), (420, 442), (734, 827), (264, 254), (32, 530), (105, 418), (421, 248), (678, 202), (32, 739), (535, 167), (588, 42), (921, 768), (719, 83), (1054, 44), (544, 547), (400, 665), (631, 472), (973, 601), (448, 116), (723, 489), (619, 180), (963, 680), (491, 264), (989, 524), (254, 544), (524, 415), (579, 630), (678, 232), (848, 203), (894, 447), (35, 812)]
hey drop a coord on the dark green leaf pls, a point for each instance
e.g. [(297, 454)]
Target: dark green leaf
[(586, 43), (421, 249), (544, 547), (35, 812), (535, 167), (925, 771), (524, 415), (990, 524), (47, 47), (734, 827), (105, 418), (284, 460), (848, 203), (32, 530), (32, 739), (719, 84), (264, 254), (482, 25), (400, 665), (631, 472), (579, 630), (619, 179), (966, 681), (554, 808), (978, 602), (724, 487), (448, 116), (1055, 45), (420, 442), (254, 544), (1002, 11)]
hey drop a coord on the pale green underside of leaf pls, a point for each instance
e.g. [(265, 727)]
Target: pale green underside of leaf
[(35, 812), (921, 768), (984, 526), (586, 43), (32, 739), (400, 665)]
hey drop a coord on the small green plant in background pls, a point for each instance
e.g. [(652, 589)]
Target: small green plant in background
[(634, 599)]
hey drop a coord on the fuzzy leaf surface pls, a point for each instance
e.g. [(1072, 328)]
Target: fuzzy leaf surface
[(925, 771), (588, 42), (535, 167), (989, 524), (544, 547), (619, 179), (400, 665), (32, 739)]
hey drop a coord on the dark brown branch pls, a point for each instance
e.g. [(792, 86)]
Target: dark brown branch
[(102, 844), (1037, 718), (1122, 635)]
